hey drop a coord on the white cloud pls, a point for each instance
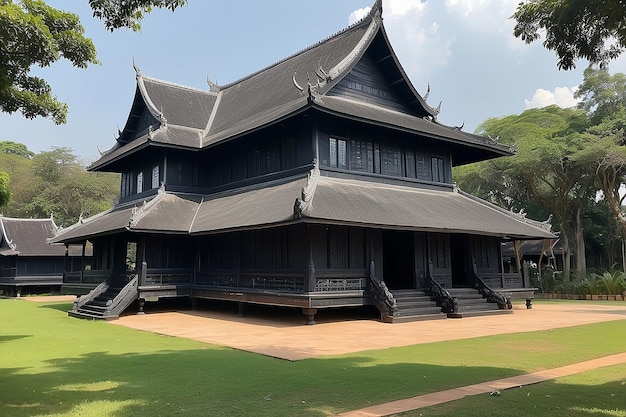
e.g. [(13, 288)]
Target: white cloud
[(399, 8), (561, 96), (359, 14), (412, 25)]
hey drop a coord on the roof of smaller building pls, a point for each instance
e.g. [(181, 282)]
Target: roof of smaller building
[(28, 237)]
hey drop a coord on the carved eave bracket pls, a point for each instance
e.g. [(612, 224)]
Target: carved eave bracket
[(521, 216), (303, 206), (138, 212), (312, 90)]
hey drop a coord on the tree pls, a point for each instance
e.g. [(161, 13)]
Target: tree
[(12, 148), (129, 14), (603, 97), (35, 34), (602, 94), (541, 178), (591, 29), (5, 194)]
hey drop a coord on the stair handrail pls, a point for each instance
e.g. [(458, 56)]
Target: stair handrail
[(91, 295), (489, 293), (448, 303), (124, 298), (382, 296)]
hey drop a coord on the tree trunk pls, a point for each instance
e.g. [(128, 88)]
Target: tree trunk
[(567, 256), (581, 260)]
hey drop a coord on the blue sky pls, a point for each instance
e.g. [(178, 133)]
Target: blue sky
[(464, 48)]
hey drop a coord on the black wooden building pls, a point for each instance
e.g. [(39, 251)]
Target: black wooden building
[(28, 263), (324, 180)]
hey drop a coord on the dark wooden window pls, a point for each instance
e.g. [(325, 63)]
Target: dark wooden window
[(139, 182), (155, 176), (361, 156), (126, 188), (423, 167), (438, 169), (391, 161), (338, 157), (409, 163)]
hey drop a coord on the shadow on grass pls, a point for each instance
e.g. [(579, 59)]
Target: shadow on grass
[(64, 307), (214, 382), (4, 338)]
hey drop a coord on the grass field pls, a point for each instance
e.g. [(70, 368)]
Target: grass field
[(53, 365)]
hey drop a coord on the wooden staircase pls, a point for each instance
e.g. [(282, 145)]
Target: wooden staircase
[(472, 303), (105, 302), (98, 308), (415, 305)]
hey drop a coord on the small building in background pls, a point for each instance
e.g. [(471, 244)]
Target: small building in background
[(28, 264)]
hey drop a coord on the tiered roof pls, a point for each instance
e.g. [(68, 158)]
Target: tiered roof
[(167, 114)]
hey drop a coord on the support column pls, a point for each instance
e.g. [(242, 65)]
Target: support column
[(310, 315), (241, 307)]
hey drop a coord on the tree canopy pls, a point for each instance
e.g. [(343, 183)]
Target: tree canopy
[(129, 14), (569, 162), (12, 148), (53, 182), (5, 194), (33, 34), (591, 29)]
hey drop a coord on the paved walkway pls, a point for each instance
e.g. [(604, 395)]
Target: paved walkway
[(282, 334), (435, 398)]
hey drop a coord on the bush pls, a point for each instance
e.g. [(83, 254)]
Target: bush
[(609, 283)]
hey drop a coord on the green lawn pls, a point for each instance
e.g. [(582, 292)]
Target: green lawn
[(53, 365)]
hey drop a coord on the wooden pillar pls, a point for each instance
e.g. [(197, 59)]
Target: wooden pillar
[(309, 280), (140, 304), (310, 315), (241, 309)]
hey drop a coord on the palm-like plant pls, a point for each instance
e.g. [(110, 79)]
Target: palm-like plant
[(609, 283)]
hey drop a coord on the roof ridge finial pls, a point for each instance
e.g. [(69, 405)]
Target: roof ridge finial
[(136, 68), (378, 6)]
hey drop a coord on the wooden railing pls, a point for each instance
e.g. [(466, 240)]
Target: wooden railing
[(124, 298), (488, 292), (385, 302), (84, 299), (329, 280), (448, 303), (86, 277), (268, 280), (502, 280), (167, 276)]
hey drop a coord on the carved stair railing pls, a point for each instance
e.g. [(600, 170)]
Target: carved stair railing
[(448, 303), (124, 298), (383, 298), (489, 293), (84, 299)]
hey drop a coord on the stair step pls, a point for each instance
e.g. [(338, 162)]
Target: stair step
[(478, 313), (88, 316), (428, 304), (93, 309), (419, 311), (421, 317)]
